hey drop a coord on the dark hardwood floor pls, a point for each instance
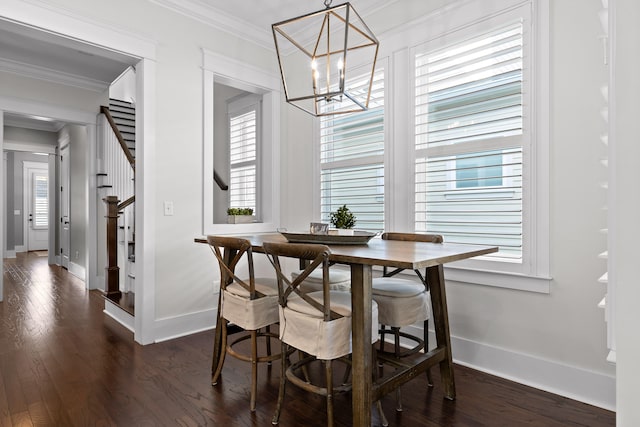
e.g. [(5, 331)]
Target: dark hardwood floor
[(64, 363)]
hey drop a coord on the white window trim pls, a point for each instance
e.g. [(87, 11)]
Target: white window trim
[(228, 71), (534, 274)]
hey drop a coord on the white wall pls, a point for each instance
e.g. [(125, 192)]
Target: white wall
[(625, 216), (22, 87), (124, 87), (30, 136), (78, 194)]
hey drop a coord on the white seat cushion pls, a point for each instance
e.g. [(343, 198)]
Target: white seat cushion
[(302, 326), (251, 314), (394, 287), (266, 286), (339, 280), (401, 302), (340, 303)]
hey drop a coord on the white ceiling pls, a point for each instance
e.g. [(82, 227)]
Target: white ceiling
[(253, 18), (263, 13)]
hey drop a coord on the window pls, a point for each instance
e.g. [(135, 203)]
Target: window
[(40, 201), (352, 160), (466, 153), (243, 149), (224, 79), (469, 141)]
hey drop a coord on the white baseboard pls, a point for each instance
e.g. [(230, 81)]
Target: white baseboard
[(119, 315), (574, 383), (10, 254), (179, 326), (21, 248), (78, 271), (589, 387)]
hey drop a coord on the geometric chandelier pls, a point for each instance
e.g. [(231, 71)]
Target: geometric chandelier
[(327, 60)]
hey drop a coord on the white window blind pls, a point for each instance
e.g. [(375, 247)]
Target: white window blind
[(243, 156), (352, 160), (468, 140), (40, 201)]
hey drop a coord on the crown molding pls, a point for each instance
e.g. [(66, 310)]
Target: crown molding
[(34, 124), (220, 20), (209, 15), (29, 148), (46, 74), (63, 22)]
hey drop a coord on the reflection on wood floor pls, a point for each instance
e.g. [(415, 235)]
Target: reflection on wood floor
[(64, 363)]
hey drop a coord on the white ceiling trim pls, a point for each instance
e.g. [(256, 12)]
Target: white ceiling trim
[(26, 123), (63, 22), (220, 20), (54, 111), (32, 148), (59, 77)]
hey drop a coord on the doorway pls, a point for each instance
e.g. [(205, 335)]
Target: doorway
[(36, 206), (110, 51)]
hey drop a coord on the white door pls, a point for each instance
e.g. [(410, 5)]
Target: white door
[(36, 198), (65, 237)]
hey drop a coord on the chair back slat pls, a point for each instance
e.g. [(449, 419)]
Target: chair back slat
[(229, 251), (410, 237), (318, 256), (413, 237)]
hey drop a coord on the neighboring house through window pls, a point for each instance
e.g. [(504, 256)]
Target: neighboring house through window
[(469, 140), (352, 158)]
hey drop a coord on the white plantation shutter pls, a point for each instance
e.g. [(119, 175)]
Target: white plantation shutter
[(469, 144), (243, 159), (40, 201), (352, 160)]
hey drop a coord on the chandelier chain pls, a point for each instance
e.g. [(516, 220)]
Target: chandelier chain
[(327, 3)]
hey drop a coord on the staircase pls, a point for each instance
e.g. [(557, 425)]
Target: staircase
[(124, 116), (115, 182)]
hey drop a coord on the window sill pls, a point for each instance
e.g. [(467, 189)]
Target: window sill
[(520, 282), (241, 228), (498, 279)]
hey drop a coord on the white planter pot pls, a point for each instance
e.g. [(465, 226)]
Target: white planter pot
[(240, 219), (345, 232)]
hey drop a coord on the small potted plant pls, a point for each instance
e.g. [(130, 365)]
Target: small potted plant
[(343, 220), (240, 215)]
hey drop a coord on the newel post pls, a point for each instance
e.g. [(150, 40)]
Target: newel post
[(112, 269)]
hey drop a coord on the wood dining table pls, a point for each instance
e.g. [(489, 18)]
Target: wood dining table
[(408, 255)]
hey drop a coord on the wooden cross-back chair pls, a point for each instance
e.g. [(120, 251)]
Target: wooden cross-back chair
[(317, 323), (403, 302), (250, 303)]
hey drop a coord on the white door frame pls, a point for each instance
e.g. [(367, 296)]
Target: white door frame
[(3, 188), (78, 28), (27, 198), (64, 203)]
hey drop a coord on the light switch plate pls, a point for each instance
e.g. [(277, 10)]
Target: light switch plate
[(168, 208)]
